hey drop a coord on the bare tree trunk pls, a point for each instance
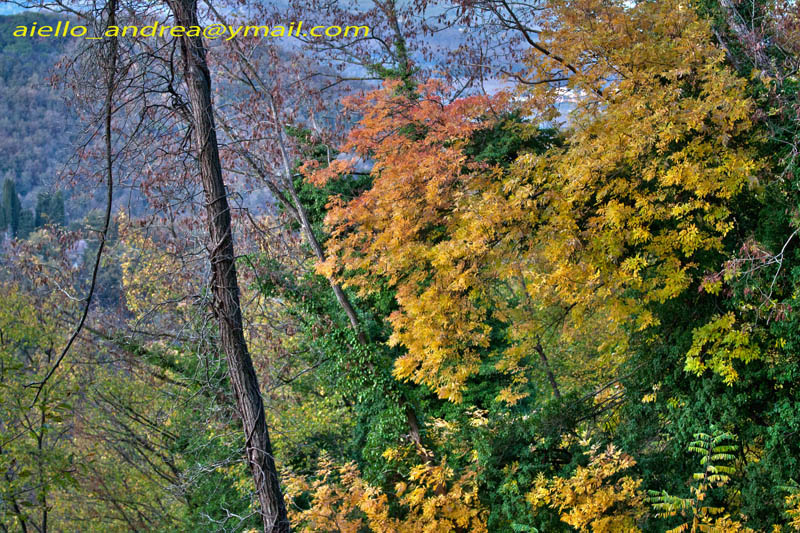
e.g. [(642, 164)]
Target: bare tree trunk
[(227, 308), (341, 296), (296, 208)]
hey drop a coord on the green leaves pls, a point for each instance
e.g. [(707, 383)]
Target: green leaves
[(716, 456)]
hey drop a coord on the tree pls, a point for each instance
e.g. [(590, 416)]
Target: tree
[(227, 308), (56, 212), (34, 452), (43, 200), (716, 455), (607, 250), (11, 207), (4, 217), (26, 223), (598, 498), (578, 239), (49, 209)]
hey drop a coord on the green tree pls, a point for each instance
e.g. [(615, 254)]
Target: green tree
[(35, 460), (11, 207), (3, 213), (717, 453), (43, 200), (56, 211), (49, 209), (26, 224)]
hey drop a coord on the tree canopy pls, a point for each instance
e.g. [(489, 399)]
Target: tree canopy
[(523, 267)]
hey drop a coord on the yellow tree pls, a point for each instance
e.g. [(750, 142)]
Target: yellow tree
[(565, 248), (434, 498), (598, 497)]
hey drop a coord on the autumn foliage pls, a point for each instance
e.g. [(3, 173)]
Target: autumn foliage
[(547, 282)]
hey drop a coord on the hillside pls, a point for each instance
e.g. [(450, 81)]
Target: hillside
[(38, 125)]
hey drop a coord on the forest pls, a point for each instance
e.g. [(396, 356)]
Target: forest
[(38, 131), (495, 266)]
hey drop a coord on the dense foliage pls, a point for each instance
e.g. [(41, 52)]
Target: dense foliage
[(477, 312)]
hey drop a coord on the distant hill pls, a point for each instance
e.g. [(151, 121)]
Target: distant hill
[(35, 122)]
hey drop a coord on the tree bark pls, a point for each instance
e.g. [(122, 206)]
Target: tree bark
[(298, 211), (227, 308)]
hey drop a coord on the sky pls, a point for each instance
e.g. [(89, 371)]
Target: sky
[(9, 9)]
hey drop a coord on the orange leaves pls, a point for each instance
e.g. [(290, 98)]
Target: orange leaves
[(387, 110), (335, 504), (421, 175), (434, 499), (320, 176), (572, 244)]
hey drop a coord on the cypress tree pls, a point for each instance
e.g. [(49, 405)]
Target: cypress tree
[(26, 224), (56, 212), (42, 209), (11, 206), (3, 214)]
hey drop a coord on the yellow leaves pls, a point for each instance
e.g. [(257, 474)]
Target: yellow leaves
[(652, 396), (420, 181), (613, 152), (540, 495), (307, 416), (596, 498), (792, 503), (391, 454), (574, 243), (152, 273), (433, 500), (511, 396), (335, 505), (690, 239), (717, 344), (633, 265)]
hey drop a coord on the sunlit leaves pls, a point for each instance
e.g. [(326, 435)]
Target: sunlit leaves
[(717, 453), (434, 500), (717, 344), (600, 497), (573, 243)]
